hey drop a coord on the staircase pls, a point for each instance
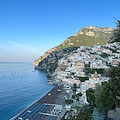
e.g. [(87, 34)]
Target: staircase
[(96, 115)]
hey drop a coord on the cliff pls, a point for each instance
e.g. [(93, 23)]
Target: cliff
[(49, 63)]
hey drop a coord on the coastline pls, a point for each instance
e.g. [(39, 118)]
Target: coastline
[(31, 104), (51, 99)]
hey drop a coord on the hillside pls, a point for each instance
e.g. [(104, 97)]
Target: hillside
[(88, 37), (50, 62), (84, 37)]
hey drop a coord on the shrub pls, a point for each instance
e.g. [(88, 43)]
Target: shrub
[(68, 102)]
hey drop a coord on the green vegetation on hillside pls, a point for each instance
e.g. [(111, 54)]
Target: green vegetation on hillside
[(103, 99), (85, 40), (53, 67), (114, 74), (90, 96)]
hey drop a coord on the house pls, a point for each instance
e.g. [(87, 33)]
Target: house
[(115, 62), (82, 74), (93, 65), (67, 107), (93, 80), (79, 74), (57, 109), (83, 99), (78, 90), (77, 82), (79, 66), (67, 87)]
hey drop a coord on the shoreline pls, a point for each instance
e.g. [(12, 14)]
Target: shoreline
[(51, 99), (30, 105)]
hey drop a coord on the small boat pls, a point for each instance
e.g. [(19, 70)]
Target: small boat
[(50, 83), (49, 80), (0, 91)]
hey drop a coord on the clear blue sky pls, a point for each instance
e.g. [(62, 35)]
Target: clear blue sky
[(28, 28)]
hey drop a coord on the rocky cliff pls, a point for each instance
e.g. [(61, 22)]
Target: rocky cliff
[(85, 37), (36, 62), (49, 63)]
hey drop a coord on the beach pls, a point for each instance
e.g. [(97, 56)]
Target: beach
[(44, 104)]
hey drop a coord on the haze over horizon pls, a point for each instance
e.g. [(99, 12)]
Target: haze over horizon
[(29, 28)]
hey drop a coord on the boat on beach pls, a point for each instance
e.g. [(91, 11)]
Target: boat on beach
[(50, 82)]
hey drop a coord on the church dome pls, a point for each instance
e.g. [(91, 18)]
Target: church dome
[(95, 75)]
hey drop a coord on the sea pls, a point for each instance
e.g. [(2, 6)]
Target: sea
[(20, 87)]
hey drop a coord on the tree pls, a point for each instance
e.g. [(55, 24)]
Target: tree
[(117, 32), (84, 114), (68, 102), (74, 87), (90, 96), (83, 79), (104, 55), (103, 99), (107, 96), (53, 67), (114, 74), (79, 94), (73, 97)]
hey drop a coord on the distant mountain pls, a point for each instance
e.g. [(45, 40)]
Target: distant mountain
[(84, 37)]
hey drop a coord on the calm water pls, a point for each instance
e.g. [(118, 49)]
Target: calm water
[(20, 86)]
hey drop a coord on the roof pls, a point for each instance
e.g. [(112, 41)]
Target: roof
[(95, 75)]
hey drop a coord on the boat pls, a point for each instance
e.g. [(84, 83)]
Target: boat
[(50, 83), (49, 80)]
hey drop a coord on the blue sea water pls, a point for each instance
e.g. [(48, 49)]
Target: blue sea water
[(20, 86)]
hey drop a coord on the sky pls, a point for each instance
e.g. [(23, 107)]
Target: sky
[(28, 28)]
